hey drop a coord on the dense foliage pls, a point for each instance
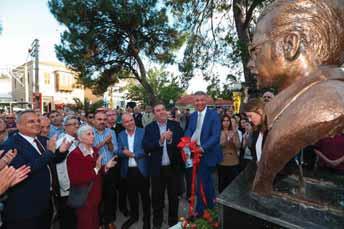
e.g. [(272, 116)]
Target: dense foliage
[(166, 87), (109, 39)]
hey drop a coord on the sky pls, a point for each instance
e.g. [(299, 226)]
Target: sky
[(25, 20)]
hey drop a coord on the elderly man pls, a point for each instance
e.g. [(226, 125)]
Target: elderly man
[(105, 140), (56, 123), (160, 140), (138, 116), (268, 96), (147, 117), (29, 204), (205, 128), (297, 53), (67, 214), (134, 167), (45, 126)]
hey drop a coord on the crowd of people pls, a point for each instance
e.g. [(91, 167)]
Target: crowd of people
[(78, 169)]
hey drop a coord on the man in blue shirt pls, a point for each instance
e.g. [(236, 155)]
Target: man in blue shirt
[(56, 124), (105, 141)]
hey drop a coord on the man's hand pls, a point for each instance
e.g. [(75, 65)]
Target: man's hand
[(7, 176), (65, 145), (162, 138), (127, 153), (7, 158), (21, 174), (51, 145), (168, 135), (107, 140)]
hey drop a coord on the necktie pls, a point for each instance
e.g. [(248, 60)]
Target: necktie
[(51, 168), (197, 134), (39, 146)]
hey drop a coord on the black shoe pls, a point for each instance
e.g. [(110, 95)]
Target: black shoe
[(129, 222), (125, 212), (146, 225), (157, 226)]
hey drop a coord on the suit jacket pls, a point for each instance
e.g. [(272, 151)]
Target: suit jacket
[(138, 119), (31, 197), (151, 145), (140, 156), (210, 136)]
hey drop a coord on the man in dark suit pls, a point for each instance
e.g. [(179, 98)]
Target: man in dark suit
[(138, 117), (160, 141), (205, 128), (135, 169), (29, 203)]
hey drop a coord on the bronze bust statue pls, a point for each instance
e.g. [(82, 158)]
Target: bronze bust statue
[(298, 48)]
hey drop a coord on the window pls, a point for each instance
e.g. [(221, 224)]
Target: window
[(46, 78)]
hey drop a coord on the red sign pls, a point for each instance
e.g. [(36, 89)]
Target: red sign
[(37, 101)]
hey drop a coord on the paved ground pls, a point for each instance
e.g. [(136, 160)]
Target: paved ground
[(183, 212)]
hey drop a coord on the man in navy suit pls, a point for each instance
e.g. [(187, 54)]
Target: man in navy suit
[(135, 169), (205, 128), (160, 140), (29, 203)]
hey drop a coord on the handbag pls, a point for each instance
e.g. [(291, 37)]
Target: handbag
[(78, 195)]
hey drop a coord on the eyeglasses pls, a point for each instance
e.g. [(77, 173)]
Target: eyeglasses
[(73, 124)]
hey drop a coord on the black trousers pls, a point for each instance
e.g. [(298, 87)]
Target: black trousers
[(226, 175), (138, 185), (168, 180), (42, 221), (67, 215), (109, 198), (122, 189)]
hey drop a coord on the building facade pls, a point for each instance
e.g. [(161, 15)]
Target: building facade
[(55, 87)]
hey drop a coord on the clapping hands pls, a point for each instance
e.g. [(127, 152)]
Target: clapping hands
[(127, 153), (51, 144), (65, 145), (166, 136), (10, 176), (7, 158)]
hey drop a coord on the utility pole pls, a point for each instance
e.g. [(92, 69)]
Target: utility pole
[(36, 96), (34, 52)]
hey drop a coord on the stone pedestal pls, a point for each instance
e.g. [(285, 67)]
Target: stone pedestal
[(319, 207)]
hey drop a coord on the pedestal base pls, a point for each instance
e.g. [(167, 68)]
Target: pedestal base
[(318, 208)]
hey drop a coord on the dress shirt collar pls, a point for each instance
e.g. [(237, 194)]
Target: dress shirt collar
[(133, 134), (161, 125), (202, 112), (28, 138), (85, 151)]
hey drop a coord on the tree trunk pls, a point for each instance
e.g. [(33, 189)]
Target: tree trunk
[(242, 28), (143, 80), (142, 77)]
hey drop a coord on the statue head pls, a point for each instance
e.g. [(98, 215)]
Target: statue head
[(294, 37)]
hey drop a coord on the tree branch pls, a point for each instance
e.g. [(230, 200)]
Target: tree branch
[(250, 12)]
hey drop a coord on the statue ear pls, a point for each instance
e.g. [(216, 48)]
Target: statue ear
[(291, 46)]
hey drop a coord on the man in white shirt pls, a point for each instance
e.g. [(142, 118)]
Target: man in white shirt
[(135, 169), (67, 214)]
